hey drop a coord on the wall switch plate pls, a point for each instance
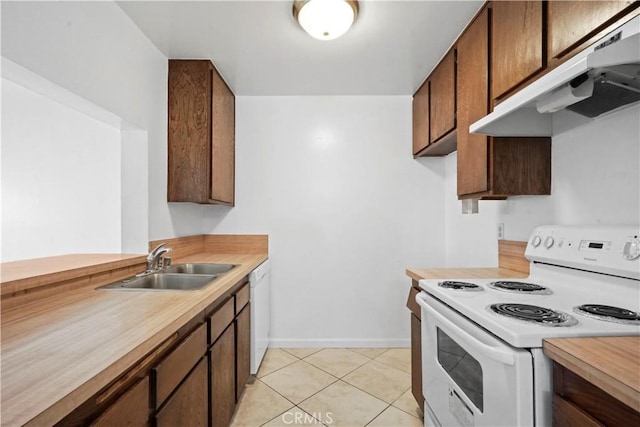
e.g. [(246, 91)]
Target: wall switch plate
[(500, 231)]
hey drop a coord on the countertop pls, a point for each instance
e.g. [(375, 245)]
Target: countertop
[(463, 273), (60, 350), (610, 363)]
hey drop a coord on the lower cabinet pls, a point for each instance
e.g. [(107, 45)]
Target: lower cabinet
[(194, 378), (131, 409), (188, 405), (223, 379), (579, 403), (416, 345)]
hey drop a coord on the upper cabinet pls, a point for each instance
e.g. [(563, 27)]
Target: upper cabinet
[(421, 118), (492, 167), (473, 104), (530, 38), (434, 111), (201, 134), (442, 102), (572, 22), (516, 43)]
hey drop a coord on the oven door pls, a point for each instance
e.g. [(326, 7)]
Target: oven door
[(470, 377)]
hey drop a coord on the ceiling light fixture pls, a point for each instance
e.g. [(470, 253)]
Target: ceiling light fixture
[(325, 19)]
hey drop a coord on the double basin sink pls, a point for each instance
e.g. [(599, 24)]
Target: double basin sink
[(181, 277)]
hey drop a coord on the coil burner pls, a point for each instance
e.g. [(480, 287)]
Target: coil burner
[(609, 313), (460, 286), (533, 314), (521, 287)]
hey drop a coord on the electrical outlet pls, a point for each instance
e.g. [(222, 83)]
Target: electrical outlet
[(500, 231)]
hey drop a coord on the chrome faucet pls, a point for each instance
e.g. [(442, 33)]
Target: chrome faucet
[(154, 259)]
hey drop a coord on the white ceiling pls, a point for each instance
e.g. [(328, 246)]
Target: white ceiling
[(260, 49)]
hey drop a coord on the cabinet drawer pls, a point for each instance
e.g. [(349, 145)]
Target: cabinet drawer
[(219, 320), (168, 373), (242, 297), (565, 414), (131, 409)]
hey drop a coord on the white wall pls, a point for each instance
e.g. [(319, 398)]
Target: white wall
[(60, 178), (94, 50), (346, 210), (595, 180)]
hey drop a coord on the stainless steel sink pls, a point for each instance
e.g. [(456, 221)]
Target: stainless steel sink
[(163, 281), (200, 268)]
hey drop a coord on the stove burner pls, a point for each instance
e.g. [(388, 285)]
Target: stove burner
[(609, 313), (533, 314), (522, 287), (459, 286)]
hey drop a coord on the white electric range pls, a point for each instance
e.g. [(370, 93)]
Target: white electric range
[(483, 363)]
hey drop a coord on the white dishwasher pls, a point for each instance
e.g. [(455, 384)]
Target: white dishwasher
[(259, 280)]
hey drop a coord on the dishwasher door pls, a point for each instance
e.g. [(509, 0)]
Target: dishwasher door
[(260, 282)]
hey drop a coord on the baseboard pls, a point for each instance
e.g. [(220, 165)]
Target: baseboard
[(339, 343)]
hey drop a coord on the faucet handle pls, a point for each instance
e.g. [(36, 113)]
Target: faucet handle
[(155, 250), (166, 262)]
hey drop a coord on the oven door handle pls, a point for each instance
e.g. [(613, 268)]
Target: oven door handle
[(503, 356)]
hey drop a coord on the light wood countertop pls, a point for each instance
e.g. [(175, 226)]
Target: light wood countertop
[(60, 350), (19, 276), (610, 363), (463, 273)]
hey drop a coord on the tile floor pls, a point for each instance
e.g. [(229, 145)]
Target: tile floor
[(332, 387)]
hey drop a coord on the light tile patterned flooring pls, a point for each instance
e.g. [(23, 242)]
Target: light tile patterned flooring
[(332, 387)]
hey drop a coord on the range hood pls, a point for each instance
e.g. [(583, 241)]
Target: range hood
[(602, 78)]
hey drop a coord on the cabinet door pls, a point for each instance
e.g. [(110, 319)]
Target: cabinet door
[(223, 378), (473, 103), (189, 151), (416, 361), (442, 100), (188, 405), (571, 22), (517, 44), (421, 118), (131, 409), (243, 349), (223, 141)]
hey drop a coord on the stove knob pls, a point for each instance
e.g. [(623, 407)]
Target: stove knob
[(631, 249), (535, 242), (548, 242)]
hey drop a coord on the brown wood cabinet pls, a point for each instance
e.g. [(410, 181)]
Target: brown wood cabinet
[(188, 406), (421, 118), (572, 22), (492, 167), (189, 379), (223, 378), (442, 100), (577, 402), (243, 349), (201, 134), (473, 104), (434, 111), (517, 44), (174, 367), (131, 409), (416, 344)]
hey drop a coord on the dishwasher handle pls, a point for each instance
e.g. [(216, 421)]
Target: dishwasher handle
[(503, 356)]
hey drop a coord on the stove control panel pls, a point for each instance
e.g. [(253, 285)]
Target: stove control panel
[(603, 249)]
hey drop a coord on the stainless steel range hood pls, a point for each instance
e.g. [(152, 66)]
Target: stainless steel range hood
[(603, 78)]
